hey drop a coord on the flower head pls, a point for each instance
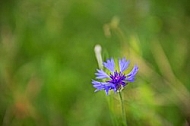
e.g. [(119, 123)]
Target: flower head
[(115, 80)]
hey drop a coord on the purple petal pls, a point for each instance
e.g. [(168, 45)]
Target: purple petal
[(114, 88), (100, 74), (131, 76), (123, 64), (108, 86), (107, 90), (110, 65), (102, 86), (97, 85)]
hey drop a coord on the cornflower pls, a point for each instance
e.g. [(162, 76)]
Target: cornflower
[(115, 80)]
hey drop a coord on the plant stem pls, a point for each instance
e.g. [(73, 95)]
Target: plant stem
[(123, 109)]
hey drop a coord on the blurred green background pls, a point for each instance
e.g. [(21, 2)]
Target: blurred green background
[(47, 61)]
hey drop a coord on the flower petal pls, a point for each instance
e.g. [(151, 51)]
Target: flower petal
[(97, 85), (100, 74), (123, 64), (108, 86), (110, 65), (107, 90), (102, 86), (131, 76), (114, 88)]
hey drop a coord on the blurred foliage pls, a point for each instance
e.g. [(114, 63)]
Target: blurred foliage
[(47, 61)]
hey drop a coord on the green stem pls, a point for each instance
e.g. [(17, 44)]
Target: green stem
[(123, 109)]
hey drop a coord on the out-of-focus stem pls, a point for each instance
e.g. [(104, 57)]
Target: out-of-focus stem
[(98, 50)]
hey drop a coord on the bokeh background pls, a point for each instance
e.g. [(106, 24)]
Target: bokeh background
[(47, 61)]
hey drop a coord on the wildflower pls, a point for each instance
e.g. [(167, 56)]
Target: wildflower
[(115, 80)]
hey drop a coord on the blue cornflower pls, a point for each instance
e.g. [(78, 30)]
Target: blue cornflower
[(115, 80)]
